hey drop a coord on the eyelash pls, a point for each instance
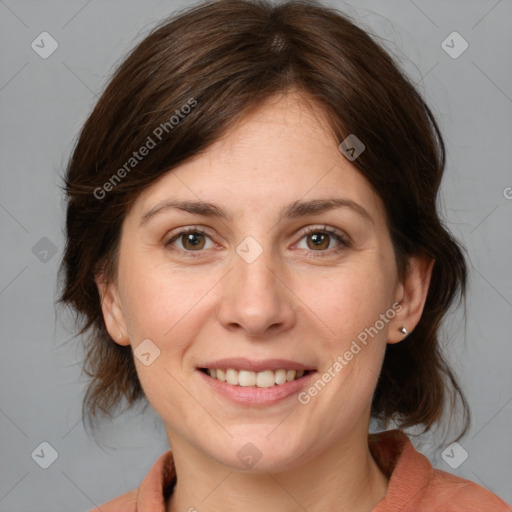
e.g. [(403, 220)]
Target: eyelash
[(344, 243)]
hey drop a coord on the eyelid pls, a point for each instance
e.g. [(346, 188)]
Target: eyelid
[(184, 229), (326, 228)]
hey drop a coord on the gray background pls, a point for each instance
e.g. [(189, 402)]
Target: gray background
[(43, 104)]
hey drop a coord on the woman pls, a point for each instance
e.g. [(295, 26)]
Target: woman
[(253, 240)]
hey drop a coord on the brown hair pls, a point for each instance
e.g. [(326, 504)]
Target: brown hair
[(224, 58)]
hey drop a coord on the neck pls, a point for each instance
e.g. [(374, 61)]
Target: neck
[(343, 478)]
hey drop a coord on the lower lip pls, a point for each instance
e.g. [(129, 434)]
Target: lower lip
[(253, 396)]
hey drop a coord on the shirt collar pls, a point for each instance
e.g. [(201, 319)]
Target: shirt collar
[(409, 471)]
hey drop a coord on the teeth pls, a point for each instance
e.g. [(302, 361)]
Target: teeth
[(264, 379), (280, 377), (246, 378), (232, 376)]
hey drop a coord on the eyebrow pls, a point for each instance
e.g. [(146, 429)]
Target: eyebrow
[(293, 210)]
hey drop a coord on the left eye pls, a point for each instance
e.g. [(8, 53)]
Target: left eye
[(318, 238)]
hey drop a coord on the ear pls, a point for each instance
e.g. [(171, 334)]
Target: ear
[(112, 311), (411, 295)]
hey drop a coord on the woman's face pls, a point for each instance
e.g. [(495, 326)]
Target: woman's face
[(256, 288)]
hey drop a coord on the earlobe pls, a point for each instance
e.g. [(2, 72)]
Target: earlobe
[(112, 312), (411, 296)]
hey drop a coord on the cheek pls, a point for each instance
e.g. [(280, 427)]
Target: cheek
[(162, 303), (347, 309), (347, 301)]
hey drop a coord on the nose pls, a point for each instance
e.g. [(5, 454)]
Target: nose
[(256, 298)]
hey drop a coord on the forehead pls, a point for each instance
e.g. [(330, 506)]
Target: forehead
[(279, 153), (286, 127)]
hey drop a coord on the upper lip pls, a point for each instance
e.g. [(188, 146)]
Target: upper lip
[(240, 363)]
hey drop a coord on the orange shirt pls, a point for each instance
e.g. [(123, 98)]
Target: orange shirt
[(414, 485)]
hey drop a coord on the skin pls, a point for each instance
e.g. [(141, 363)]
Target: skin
[(286, 304)]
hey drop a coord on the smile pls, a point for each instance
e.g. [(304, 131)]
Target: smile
[(261, 379), (255, 383)]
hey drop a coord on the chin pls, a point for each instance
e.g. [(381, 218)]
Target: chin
[(257, 451)]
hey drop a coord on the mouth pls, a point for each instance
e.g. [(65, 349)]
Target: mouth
[(261, 379), (259, 384)]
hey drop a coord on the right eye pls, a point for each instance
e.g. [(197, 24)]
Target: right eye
[(190, 239)]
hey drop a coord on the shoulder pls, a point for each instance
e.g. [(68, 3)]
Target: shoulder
[(416, 486), (451, 493)]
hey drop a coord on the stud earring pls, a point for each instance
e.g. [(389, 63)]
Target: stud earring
[(403, 330)]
